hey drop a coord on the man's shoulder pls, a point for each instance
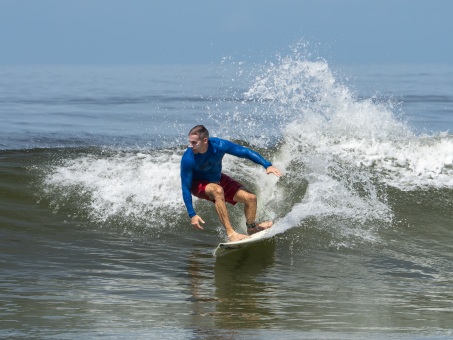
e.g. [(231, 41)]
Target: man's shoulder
[(215, 140), (219, 143), (187, 156)]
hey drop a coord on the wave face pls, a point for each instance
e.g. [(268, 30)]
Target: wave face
[(346, 161)]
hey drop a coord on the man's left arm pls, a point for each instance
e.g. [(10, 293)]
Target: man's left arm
[(243, 152)]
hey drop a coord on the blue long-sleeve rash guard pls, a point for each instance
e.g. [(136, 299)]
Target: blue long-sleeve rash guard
[(208, 166)]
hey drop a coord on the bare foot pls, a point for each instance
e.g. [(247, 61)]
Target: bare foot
[(259, 227), (236, 237)]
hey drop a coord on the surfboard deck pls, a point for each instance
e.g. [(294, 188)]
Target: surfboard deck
[(227, 247)]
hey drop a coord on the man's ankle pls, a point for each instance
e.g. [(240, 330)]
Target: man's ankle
[(251, 225)]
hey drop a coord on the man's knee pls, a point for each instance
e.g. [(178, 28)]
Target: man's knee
[(252, 198), (215, 191), (248, 197)]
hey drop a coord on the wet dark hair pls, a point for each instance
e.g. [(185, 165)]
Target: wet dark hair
[(199, 131)]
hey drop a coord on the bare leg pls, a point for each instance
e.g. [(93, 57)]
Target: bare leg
[(250, 206), (215, 191)]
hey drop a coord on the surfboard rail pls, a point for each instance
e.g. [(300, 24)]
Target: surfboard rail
[(225, 247)]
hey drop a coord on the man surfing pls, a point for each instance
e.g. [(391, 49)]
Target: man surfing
[(201, 176)]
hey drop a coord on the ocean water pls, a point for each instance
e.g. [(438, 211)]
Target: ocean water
[(94, 236)]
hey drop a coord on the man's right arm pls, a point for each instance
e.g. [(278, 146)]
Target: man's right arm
[(186, 184)]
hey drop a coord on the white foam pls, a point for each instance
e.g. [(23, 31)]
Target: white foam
[(347, 150), (125, 184), (344, 147)]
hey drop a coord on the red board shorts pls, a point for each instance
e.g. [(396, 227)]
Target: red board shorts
[(229, 185)]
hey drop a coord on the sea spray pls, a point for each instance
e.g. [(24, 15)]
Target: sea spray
[(130, 188), (339, 155), (349, 150)]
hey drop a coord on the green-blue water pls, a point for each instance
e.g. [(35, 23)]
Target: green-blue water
[(95, 240)]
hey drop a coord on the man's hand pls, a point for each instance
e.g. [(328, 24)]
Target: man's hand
[(273, 170), (195, 222)]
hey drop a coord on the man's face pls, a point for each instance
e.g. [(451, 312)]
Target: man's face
[(198, 145)]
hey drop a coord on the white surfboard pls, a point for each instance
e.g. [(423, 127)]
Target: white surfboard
[(226, 247)]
